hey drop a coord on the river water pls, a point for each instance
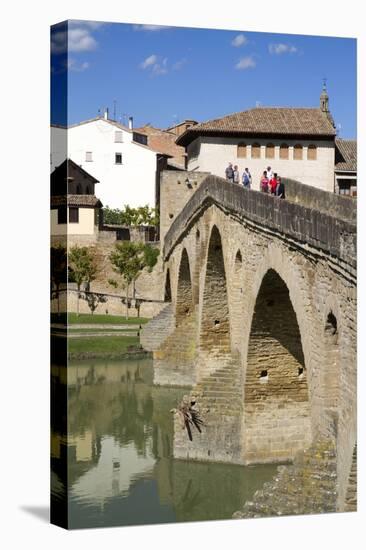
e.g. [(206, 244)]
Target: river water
[(119, 449)]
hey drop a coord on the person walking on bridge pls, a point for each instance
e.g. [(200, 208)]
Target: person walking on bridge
[(273, 184), (229, 172), (236, 175), (280, 189), (264, 182), (247, 179)]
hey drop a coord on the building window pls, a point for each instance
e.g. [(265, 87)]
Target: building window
[(284, 151), (312, 152), (87, 190), (61, 214), (78, 189), (298, 152), (139, 138), (242, 150), (118, 136), (73, 215), (88, 156), (118, 158), (270, 151), (194, 149), (344, 187), (256, 151)]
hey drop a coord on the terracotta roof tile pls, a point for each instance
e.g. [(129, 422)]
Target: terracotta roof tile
[(266, 120), (346, 155), (88, 201)]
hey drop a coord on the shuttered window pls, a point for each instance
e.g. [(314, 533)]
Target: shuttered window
[(284, 151), (242, 150), (89, 156), (312, 152), (298, 152), (61, 214), (73, 215), (118, 136), (256, 151), (270, 151)]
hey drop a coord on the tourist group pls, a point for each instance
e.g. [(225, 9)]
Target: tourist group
[(270, 181)]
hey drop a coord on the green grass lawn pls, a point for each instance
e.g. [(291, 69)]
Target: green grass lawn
[(85, 318), (110, 344)]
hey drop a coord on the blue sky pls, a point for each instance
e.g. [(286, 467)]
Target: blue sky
[(161, 75)]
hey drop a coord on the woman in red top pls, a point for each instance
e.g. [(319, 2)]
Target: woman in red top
[(273, 184), (264, 182)]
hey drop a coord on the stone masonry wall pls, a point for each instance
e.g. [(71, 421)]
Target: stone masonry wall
[(175, 193), (318, 280)]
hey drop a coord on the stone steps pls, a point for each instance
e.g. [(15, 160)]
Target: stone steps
[(308, 486), (156, 331), (220, 392)]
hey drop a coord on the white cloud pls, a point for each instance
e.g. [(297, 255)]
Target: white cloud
[(76, 39), (278, 49), (155, 65), (76, 66), (151, 60), (59, 42), (160, 68), (239, 40), (179, 64), (81, 40), (246, 63), (151, 28)]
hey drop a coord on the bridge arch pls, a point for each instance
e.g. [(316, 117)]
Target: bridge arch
[(215, 327), (276, 407), (237, 292), (184, 300), (277, 410), (167, 287)]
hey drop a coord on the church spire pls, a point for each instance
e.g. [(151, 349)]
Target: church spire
[(324, 98)]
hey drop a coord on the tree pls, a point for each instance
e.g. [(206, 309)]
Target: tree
[(131, 217), (58, 270), (129, 259), (82, 267)]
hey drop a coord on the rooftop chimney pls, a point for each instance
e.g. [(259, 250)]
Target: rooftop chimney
[(130, 122), (106, 113)]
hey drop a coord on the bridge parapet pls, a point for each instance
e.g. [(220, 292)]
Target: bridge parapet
[(338, 206), (309, 227)]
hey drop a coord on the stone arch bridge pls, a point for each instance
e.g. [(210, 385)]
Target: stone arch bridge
[(261, 325)]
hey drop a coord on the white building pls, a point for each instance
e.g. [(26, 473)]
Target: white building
[(126, 169), (297, 143), (74, 206)]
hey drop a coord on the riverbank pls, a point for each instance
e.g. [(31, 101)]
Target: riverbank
[(132, 353), (101, 336)]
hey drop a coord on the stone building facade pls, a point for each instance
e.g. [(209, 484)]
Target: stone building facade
[(297, 143)]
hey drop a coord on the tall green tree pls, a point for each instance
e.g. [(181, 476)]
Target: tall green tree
[(82, 267), (58, 270), (129, 259)]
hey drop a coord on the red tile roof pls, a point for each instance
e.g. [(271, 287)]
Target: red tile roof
[(267, 121), (86, 201), (346, 155)]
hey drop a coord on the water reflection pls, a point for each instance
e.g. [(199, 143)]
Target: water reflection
[(119, 449)]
